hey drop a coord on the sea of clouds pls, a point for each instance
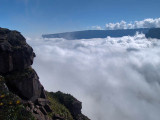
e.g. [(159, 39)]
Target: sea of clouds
[(115, 78)]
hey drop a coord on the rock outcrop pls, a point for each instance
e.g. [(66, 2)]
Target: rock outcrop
[(15, 53), (20, 89), (25, 84), (71, 103), (16, 58)]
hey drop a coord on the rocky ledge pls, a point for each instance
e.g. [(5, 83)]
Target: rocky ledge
[(22, 97)]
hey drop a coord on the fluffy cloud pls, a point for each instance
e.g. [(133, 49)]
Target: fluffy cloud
[(146, 23), (115, 78)]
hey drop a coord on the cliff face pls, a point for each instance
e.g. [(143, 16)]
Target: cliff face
[(20, 88), (15, 53)]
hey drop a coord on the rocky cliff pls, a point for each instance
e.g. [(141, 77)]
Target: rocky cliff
[(22, 97)]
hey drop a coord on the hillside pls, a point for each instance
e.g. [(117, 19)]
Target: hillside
[(22, 96), (153, 33), (88, 34)]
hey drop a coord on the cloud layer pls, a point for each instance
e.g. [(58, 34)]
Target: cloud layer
[(115, 78), (146, 23)]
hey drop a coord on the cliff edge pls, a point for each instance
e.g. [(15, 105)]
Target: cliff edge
[(22, 96)]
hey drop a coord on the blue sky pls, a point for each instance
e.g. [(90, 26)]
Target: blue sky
[(52, 16)]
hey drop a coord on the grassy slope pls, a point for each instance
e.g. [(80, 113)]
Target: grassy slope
[(58, 108)]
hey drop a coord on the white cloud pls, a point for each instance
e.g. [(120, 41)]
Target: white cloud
[(115, 78), (146, 23), (96, 27)]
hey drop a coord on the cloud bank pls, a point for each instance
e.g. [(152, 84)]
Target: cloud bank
[(115, 78), (97, 27), (146, 23)]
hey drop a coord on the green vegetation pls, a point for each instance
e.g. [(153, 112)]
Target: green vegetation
[(65, 99), (11, 107), (58, 108)]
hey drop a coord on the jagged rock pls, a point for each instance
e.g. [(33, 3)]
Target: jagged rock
[(39, 115), (16, 56), (25, 84), (30, 105), (41, 102), (39, 112), (57, 117), (22, 84), (47, 108), (15, 53), (37, 106), (43, 110)]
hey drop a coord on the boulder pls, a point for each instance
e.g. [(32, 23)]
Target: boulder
[(25, 84), (41, 101)]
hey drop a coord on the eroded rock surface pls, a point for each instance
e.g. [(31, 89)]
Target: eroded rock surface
[(15, 53), (26, 84)]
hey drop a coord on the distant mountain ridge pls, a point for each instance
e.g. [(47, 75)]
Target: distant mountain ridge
[(88, 34), (153, 33)]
